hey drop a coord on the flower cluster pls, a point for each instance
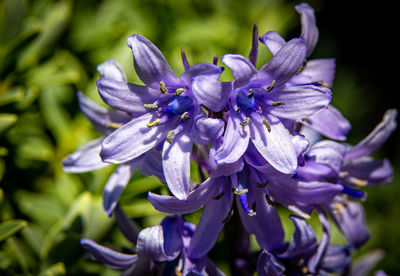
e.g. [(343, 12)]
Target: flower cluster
[(257, 141)]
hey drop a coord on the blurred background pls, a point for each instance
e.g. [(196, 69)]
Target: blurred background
[(49, 50)]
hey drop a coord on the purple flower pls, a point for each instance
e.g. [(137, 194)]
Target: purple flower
[(168, 113), (260, 103), (167, 242), (329, 122), (87, 157)]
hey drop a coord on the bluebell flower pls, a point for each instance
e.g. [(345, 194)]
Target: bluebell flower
[(260, 102), (168, 113), (87, 157), (329, 122), (166, 243)]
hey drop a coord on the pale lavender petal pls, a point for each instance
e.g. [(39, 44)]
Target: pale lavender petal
[(300, 101), (374, 171), (210, 70), (376, 138), (210, 92), (236, 140), (85, 159), (150, 64), (195, 200), (176, 156), (134, 138), (320, 71), (309, 28), (110, 69), (116, 184), (268, 265), (185, 61), (210, 224), (107, 256), (336, 260), (286, 62), (312, 171), (206, 130), (275, 146), (102, 119), (150, 243), (329, 153), (329, 122), (242, 69), (125, 96), (273, 41), (225, 169)]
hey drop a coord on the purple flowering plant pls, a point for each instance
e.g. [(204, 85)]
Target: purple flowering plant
[(254, 142)]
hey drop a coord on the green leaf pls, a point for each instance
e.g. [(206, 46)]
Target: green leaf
[(8, 228), (7, 120)]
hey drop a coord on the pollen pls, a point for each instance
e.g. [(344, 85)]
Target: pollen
[(150, 106), (246, 122), (114, 125), (278, 103), (162, 87), (154, 123), (184, 117), (240, 192), (339, 208), (169, 136), (179, 91), (270, 87), (267, 125)]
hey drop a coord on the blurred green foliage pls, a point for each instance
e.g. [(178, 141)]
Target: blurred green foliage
[(49, 50)]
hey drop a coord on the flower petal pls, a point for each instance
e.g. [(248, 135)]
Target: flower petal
[(210, 92), (202, 69), (107, 256), (242, 69), (117, 182), (134, 138), (160, 242), (316, 71), (100, 117), (176, 156), (273, 41), (236, 140), (150, 64), (110, 69), (125, 96), (329, 153), (85, 159), (350, 219), (127, 226), (329, 122), (300, 101), (286, 62), (206, 130), (275, 146), (268, 265), (195, 200), (376, 138), (225, 169), (309, 28), (210, 224)]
